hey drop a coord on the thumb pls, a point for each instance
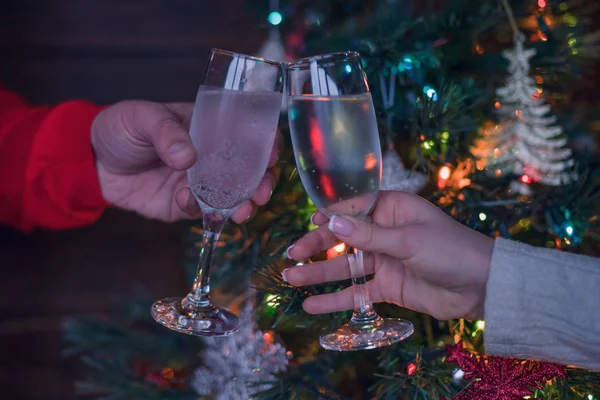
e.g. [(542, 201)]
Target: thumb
[(370, 237), (164, 129)]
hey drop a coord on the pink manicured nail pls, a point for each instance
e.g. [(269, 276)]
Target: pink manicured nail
[(312, 221), (287, 252), (283, 273), (341, 226)]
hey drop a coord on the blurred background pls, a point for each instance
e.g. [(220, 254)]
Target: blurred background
[(104, 51)]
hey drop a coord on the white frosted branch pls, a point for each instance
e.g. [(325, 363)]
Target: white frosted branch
[(542, 166)]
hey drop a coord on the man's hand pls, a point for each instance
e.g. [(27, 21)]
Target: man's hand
[(142, 152)]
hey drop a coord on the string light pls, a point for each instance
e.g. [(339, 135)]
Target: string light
[(430, 92), (411, 369), (428, 144), (570, 19), (479, 49), (480, 325), (275, 18), (525, 179), (542, 36), (482, 217), (340, 248), (407, 63), (542, 3), (272, 300), (525, 223), (444, 175), (336, 251), (444, 172)]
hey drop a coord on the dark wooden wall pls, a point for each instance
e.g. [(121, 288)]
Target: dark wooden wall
[(107, 50), (104, 51)]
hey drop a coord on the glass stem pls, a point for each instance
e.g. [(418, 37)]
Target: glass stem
[(199, 297), (363, 308)]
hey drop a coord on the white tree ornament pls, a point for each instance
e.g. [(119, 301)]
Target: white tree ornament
[(240, 365), (526, 142)]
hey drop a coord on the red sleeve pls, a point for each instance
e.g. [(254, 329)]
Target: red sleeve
[(47, 173)]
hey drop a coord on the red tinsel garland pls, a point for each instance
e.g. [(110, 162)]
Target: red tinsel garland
[(499, 378)]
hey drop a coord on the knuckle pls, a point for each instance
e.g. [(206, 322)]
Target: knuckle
[(166, 124), (369, 234)]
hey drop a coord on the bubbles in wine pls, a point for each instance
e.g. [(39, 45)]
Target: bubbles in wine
[(233, 133)]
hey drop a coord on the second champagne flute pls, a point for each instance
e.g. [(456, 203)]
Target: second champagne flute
[(233, 129), (338, 154)]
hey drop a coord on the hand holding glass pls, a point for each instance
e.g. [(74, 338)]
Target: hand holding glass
[(233, 130), (338, 154)]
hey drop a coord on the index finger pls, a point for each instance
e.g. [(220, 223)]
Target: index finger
[(313, 242)]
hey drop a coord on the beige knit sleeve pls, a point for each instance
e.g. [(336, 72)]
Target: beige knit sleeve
[(543, 304)]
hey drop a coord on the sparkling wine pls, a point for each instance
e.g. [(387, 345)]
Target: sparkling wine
[(337, 150), (234, 153)]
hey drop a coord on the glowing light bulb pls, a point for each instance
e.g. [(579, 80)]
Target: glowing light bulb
[(482, 216), (430, 92), (542, 3), (480, 325), (340, 247), (525, 179), (445, 172), (272, 300), (569, 230), (275, 18)]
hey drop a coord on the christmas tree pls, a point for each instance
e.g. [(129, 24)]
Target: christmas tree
[(434, 75)]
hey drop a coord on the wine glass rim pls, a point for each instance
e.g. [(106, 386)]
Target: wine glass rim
[(246, 56), (342, 55)]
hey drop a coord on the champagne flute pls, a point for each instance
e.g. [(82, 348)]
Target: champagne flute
[(338, 154), (233, 129)]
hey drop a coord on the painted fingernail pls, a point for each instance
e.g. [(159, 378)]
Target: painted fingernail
[(287, 251), (251, 214), (341, 226), (283, 274)]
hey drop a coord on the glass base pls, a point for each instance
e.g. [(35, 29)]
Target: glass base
[(216, 321), (367, 335)]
